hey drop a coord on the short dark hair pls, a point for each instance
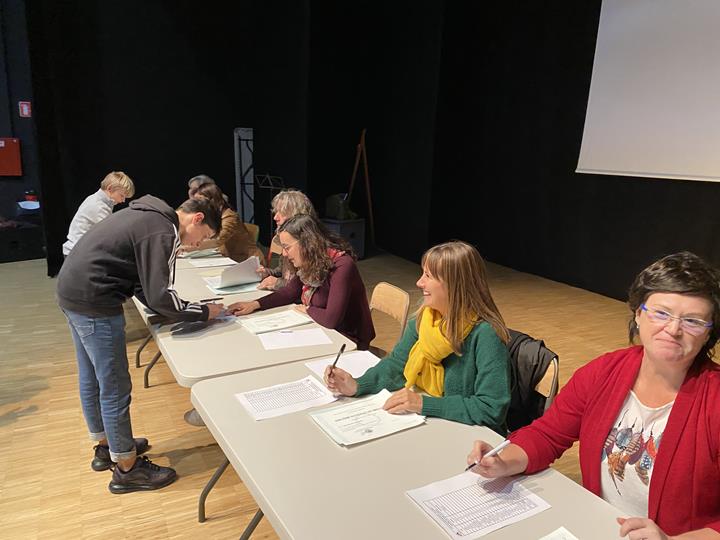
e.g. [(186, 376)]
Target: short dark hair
[(679, 273), (213, 214)]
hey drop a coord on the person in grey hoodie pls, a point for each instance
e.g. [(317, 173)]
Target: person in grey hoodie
[(131, 252)]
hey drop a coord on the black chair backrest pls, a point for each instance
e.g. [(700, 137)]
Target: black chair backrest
[(529, 360)]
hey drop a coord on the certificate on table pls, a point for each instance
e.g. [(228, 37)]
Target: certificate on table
[(287, 339), (363, 420), (470, 506), (257, 324)]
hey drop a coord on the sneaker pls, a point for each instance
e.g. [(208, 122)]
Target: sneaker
[(144, 476), (193, 418), (102, 461)]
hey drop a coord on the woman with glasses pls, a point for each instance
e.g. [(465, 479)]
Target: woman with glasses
[(647, 417), (452, 361), (286, 204), (327, 286)]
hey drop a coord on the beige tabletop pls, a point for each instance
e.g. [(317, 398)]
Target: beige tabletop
[(313, 489), (197, 351)]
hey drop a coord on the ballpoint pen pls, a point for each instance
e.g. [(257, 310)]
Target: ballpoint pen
[(342, 349), (211, 299), (495, 451)]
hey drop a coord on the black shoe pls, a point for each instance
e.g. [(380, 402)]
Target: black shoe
[(102, 461), (144, 476)]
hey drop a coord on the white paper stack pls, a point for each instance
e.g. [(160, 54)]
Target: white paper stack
[(363, 420), (240, 274), (211, 262), (289, 339), (258, 324), (356, 363)]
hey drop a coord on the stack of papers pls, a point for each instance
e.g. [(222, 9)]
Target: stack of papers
[(211, 252), (240, 274), (363, 420), (258, 324), (286, 339), (211, 262), (285, 398), (470, 506), (356, 363)]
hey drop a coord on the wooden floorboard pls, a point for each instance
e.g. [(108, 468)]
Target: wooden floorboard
[(47, 489)]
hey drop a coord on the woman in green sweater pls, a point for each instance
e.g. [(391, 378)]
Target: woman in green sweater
[(451, 361)]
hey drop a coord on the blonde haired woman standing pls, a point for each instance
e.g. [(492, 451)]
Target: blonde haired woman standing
[(454, 352)]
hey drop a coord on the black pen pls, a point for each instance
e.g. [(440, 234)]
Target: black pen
[(342, 349), (211, 299)]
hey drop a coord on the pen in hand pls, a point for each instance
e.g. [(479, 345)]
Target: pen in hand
[(342, 349), (495, 451), (204, 300)]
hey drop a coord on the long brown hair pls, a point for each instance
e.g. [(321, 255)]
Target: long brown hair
[(314, 241), (461, 269)]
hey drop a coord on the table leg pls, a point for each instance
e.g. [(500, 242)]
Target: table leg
[(254, 522), (208, 488), (140, 349), (149, 367)]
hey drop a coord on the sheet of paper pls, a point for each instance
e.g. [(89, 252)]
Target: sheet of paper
[(200, 253), (363, 420), (259, 324), (211, 262), (213, 284), (241, 273), (470, 506), (356, 363), (560, 534), (285, 339), (285, 398)]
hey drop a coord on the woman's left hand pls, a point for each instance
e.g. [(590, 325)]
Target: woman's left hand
[(404, 401), (301, 308), (637, 528)]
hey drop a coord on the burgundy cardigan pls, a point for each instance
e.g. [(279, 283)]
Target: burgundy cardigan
[(685, 484), (339, 303)]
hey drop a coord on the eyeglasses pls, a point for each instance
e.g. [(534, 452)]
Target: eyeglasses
[(286, 247), (691, 325)]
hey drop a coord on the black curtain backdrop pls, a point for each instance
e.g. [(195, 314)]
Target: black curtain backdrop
[(474, 114)]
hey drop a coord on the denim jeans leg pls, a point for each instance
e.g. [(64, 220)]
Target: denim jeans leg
[(108, 354), (89, 389)]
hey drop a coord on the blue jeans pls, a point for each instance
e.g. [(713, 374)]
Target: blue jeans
[(105, 383)]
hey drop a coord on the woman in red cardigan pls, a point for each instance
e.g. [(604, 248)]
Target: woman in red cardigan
[(327, 286), (647, 417)]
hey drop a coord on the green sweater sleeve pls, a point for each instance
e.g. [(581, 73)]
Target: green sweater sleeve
[(388, 373), (477, 384)]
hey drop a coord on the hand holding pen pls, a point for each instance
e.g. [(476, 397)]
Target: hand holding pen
[(505, 459), (338, 380)]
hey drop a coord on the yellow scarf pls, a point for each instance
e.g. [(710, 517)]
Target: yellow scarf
[(424, 367)]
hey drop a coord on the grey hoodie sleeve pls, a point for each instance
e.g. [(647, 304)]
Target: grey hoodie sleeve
[(155, 257)]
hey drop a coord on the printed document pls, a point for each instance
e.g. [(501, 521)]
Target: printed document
[(560, 534), (356, 363), (285, 398), (214, 286), (258, 324), (285, 339), (199, 254), (363, 420), (211, 262), (241, 273), (470, 506)]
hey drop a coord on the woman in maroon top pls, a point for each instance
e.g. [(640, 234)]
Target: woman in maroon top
[(327, 286)]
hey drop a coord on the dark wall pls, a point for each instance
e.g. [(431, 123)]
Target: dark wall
[(514, 87), (474, 114), (375, 65), (15, 86), (156, 88)]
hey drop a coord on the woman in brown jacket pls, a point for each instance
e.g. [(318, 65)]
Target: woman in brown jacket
[(233, 240)]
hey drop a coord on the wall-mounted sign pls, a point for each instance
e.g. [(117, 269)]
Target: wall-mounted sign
[(25, 108)]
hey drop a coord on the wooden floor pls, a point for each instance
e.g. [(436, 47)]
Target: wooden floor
[(47, 489)]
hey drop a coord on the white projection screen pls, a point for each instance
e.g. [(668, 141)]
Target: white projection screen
[(654, 104)]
